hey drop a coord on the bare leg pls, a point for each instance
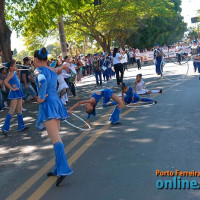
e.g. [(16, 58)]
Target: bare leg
[(13, 105), (58, 125), (19, 106), (61, 165), (6, 125), (118, 100), (52, 130)]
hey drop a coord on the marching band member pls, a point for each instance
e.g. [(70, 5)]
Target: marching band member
[(195, 51), (97, 69), (158, 56)]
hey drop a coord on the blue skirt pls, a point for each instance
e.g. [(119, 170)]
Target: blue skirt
[(18, 94), (51, 108)]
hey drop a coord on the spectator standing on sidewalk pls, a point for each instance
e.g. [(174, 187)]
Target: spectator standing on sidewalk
[(25, 81)]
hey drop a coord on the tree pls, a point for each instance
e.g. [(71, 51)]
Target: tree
[(193, 33), (54, 49), (113, 18), (22, 54), (45, 17), (159, 29), (117, 19), (5, 34), (12, 14)]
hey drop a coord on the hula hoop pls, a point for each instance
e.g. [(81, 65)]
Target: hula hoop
[(179, 80), (139, 106), (82, 129), (176, 62), (28, 68)]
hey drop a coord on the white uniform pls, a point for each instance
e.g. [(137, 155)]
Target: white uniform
[(178, 49), (124, 58), (62, 85), (137, 56), (141, 89)]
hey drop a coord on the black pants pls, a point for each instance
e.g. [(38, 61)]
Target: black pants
[(119, 68), (138, 63), (125, 66), (71, 86), (179, 58)]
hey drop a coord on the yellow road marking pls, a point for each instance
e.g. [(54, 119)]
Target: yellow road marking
[(20, 191), (46, 185), (50, 181)]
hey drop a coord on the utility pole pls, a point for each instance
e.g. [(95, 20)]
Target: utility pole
[(63, 42)]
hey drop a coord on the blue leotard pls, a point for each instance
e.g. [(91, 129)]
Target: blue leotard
[(52, 107), (14, 82), (106, 94)]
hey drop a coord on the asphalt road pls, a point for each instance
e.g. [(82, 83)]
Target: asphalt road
[(111, 162)]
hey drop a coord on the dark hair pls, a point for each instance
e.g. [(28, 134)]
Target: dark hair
[(10, 64), (3, 68), (115, 51), (140, 75), (26, 59), (41, 54), (124, 86), (65, 58), (91, 111)]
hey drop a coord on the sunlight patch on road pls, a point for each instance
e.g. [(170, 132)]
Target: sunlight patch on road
[(145, 140)]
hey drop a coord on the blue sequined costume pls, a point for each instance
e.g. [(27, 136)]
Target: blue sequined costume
[(14, 83), (14, 95), (52, 108), (132, 97), (106, 94)]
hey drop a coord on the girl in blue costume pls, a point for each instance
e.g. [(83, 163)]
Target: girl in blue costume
[(91, 104), (51, 111), (129, 96), (15, 95)]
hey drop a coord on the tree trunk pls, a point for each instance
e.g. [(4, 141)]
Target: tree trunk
[(5, 35), (63, 42), (120, 39), (103, 44)]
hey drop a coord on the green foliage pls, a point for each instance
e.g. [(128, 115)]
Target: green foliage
[(16, 12), (22, 54), (54, 49), (15, 52), (159, 29), (137, 22), (193, 33)]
